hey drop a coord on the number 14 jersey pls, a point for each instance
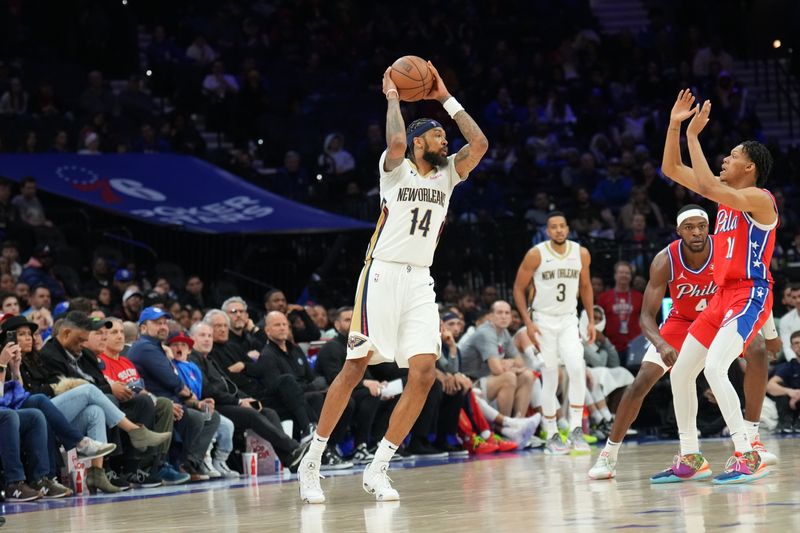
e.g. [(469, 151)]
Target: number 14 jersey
[(556, 281), (413, 212)]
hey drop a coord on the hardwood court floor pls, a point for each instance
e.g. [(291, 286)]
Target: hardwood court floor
[(513, 492)]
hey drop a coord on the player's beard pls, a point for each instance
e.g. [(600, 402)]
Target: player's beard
[(434, 158), (561, 242)]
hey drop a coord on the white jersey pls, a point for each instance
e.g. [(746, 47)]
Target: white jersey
[(413, 212), (557, 280)]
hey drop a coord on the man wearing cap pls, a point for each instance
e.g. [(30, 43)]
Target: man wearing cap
[(38, 271), (132, 300), (162, 379)]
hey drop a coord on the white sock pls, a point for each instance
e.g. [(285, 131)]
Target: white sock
[(509, 422), (752, 430), (318, 445), (741, 442), (689, 443), (385, 452), (612, 449), (596, 417), (485, 434), (550, 426), (562, 423), (575, 417), (606, 413)]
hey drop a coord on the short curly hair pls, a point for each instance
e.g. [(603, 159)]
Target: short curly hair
[(761, 158)]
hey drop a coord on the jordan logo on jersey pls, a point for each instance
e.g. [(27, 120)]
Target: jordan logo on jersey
[(694, 290), (726, 222)]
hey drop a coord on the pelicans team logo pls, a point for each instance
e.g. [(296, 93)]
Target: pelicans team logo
[(354, 341)]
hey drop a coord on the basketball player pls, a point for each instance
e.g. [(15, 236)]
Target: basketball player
[(743, 243), (560, 271), (395, 317), (685, 267)]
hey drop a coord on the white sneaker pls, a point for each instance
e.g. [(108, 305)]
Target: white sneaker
[(604, 468), (555, 446), (534, 442), (768, 458), (92, 449), (577, 442), (377, 482), (309, 476), (212, 473), (222, 467), (518, 433)]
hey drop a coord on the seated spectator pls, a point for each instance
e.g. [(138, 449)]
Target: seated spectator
[(784, 389), (640, 241), (159, 374), (91, 144), (39, 271), (334, 159), (149, 469), (639, 203), (134, 102), (39, 299), (194, 297), (96, 98), (132, 302), (319, 315), (281, 357), (149, 142), (44, 320), (303, 327), (614, 189), (366, 395), (9, 304), (490, 357), (790, 322), (292, 180), (192, 377), (245, 412), (8, 213), (219, 84), (11, 255), (200, 52), (15, 100), (244, 335)]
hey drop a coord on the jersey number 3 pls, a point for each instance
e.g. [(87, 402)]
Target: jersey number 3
[(423, 224), (561, 288)]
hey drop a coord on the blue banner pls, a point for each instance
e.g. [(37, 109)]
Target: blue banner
[(172, 190)]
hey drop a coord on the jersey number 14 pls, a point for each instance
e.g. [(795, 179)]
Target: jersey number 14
[(423, 224)]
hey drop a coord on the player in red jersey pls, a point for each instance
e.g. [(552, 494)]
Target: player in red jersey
[(744, 239), (685, 267)]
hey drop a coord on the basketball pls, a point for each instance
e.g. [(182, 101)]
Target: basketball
[(411, 76)]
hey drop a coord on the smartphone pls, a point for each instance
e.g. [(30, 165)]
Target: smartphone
[(135, 387), (256, 405), (11, 336)]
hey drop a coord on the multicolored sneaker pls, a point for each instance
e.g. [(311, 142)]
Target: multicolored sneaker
[(767, 458), (578, 442), (687, 467), (555, 445), (502, 444), (478, 445), (604, 468), (742, 468)]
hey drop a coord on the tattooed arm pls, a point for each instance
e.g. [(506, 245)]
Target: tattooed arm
[(395, 128), (477, 144)]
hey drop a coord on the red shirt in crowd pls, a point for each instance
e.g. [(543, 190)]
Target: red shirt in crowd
[(622, 316), (119, 370)]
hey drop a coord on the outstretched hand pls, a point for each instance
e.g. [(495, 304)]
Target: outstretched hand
[(700, 118), (683, 107), (388, 83), (438, 90)]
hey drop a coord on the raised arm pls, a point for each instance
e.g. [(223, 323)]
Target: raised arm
[(749, 199), (651, 303), (672, 164), (587, 293), (525, 272), (477, 144), (395, 127)]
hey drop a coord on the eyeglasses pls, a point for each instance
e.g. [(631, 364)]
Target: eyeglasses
[(237, 311)]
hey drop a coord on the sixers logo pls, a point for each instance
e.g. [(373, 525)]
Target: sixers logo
[(354, 341)]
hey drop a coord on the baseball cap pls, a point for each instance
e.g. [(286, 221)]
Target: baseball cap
[(100, 323), (61, 308), (152, 313), (131, 291), (123, 274), (180, 337)]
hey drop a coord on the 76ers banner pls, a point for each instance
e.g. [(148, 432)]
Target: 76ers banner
[(173, 190)]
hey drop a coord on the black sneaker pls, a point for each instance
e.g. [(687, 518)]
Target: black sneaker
[(118, 481), (362, 455), (51, 489), (297, 456), (143, 480), (21, 492), (451, 450), (331, 460), (423, 450), (194, 471)]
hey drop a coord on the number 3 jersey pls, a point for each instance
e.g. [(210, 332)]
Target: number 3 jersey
[(556, 280), (742, 249), (690, 290), (413, 212)]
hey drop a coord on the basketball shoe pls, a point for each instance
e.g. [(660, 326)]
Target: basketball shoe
[(692, 466), (577, 443), (376, 481), (309, 476), (742, 468), (768, 458), (604, 468), (554, 445)]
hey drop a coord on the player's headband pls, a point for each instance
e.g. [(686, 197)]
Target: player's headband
[(421, 129), (692, 213)]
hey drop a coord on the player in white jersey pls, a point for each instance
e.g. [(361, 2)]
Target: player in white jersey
[(559, 269), (395, 317)]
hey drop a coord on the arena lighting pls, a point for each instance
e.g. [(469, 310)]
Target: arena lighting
[(124, 2), (148, 72), (260, 142), (319, 177), (776, 43)]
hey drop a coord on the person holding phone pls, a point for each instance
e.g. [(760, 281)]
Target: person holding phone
[(231, 402)]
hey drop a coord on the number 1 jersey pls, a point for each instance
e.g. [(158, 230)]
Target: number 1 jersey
[(413, 212)]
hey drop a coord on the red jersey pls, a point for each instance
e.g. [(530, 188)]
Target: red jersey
[(690, 290), (622, 316), (121, 370), (743, 248)]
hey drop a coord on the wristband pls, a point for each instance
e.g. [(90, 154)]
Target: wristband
[(452, 106), (768, 329), (392, 91)]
